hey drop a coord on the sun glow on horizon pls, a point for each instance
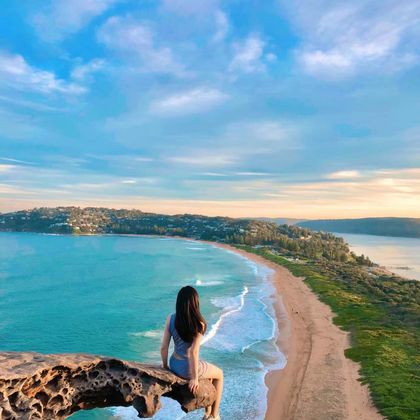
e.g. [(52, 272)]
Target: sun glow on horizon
[(238, 109)]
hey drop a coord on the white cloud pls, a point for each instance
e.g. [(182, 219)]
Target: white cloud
[(265, 136), (270, 57), (192, 101), (246, 144), (17, 161), (222, 26), (269, 130), (344, 174), (22, 103), (64, 17), (404, 173), (214, 174), (6, 189), (377, 187), (6, 168), (17, 73), (83, 71), (316, 61), (342, 39), (378, 193), (248, 55), (243, 145), (251, 173), (143, 159), (204, 159), (137, 42)]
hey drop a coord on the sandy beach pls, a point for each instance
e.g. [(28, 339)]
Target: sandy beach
[(318, 382)]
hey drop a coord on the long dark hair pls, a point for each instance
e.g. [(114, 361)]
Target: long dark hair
[(188, 319)]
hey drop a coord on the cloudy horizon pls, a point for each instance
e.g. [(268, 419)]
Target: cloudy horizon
[(300, 109)]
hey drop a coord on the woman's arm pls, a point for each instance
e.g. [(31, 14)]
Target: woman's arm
[(164, 347), (195, 356)]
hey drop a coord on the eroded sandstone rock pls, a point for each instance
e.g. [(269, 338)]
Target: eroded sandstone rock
[(53, 386)]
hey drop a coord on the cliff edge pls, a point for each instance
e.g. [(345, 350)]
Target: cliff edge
[(53, 386)]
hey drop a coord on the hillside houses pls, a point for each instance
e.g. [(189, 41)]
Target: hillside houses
[(98, 220)]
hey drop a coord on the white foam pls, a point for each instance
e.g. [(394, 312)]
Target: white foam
[(148, 334), (247, 323), (230, 310), (201, 283), (206, 280)]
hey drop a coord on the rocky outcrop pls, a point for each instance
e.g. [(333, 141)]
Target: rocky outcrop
[(40, 386)]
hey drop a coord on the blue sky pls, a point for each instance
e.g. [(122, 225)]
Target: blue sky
[(298, 108)]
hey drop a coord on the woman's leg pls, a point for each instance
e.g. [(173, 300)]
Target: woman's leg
[(216, 375)]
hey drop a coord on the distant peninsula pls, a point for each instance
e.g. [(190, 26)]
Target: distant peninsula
[(100, 220), (381, 226)]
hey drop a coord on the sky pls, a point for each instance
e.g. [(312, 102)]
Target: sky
[(283, 108)]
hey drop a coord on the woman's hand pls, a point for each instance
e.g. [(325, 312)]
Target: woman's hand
[(193, 385)]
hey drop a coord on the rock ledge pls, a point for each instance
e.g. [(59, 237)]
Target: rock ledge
[(53, 386)]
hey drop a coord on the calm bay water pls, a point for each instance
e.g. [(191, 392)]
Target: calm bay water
[(399, 255), (110, 295)]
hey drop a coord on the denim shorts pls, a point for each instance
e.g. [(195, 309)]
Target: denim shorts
[(181, 367)]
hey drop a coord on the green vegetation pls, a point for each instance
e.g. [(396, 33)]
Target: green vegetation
[(94, 220), (382, 314)]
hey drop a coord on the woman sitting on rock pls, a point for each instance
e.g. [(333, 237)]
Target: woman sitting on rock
[(187, 327)]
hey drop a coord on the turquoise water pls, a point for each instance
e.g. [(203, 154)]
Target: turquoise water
[(110, 295), (399, 255)]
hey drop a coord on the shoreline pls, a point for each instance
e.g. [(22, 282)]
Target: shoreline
[(318, 381)]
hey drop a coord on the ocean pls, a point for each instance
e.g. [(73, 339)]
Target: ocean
[(399, 255), (110, 295)]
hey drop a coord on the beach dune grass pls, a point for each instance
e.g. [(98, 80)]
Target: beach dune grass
[(385, 335)]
